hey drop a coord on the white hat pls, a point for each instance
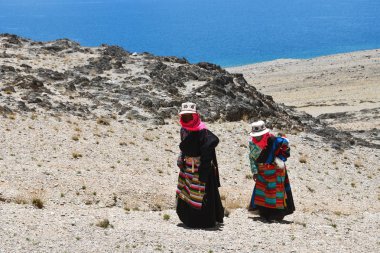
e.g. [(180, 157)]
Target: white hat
[(258, 129), (188, 107)]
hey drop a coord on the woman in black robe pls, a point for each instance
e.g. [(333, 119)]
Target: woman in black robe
[(198, 200)]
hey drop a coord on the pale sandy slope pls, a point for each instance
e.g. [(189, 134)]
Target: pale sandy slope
[(127, 174), (346, 82)]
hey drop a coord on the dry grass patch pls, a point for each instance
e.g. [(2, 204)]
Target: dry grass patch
[(303, 159), (126, 208), (233, 201), (103, 121), (300, 223), (37, 202), (12, 116), (148, 136), (76, 155), (123, 143), (358, 164), (75, 138), (338, 213), (105, 223), (310, 189), (34, 116), (21, 200)]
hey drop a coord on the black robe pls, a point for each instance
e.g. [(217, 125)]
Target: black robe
[(202, 143)]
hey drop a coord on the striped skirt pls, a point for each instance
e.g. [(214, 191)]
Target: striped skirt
[(189, 188), (270, 189)]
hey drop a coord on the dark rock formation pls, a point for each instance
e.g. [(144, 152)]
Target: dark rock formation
[(89, 82)]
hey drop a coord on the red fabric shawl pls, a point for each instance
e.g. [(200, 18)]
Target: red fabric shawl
[(194, 125), (262, 144)]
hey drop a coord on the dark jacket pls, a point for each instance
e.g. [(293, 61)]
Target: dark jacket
[(201, 143)]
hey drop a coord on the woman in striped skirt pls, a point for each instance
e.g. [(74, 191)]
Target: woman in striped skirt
[(272, 195), (198, 200)]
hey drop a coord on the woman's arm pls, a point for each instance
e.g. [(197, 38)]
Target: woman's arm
[(254, 153), (181, 161), (207, 149)]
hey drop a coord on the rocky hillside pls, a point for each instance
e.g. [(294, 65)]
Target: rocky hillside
[(63, 77)]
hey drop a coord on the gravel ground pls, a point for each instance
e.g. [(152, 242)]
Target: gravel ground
[(125, 172)]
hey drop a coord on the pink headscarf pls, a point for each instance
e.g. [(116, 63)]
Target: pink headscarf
[(194, 125)]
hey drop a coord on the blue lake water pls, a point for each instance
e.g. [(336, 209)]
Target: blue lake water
[(226, 32)]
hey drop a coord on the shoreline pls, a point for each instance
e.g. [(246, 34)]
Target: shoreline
[(301, 58), (341, 89), (321, 81), (95, 45)]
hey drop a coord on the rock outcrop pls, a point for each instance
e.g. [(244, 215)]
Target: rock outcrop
[(63, 77)]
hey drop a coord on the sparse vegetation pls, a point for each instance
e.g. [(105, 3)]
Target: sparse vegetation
[(77, 155), (103, 121), (310, 189), (358, 164), (226, 212), (21, 201), (105, 223), (34, 116), (159, 247), (148, 136), (60, 185), (303, 159), (300, 223), (37, 202)]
